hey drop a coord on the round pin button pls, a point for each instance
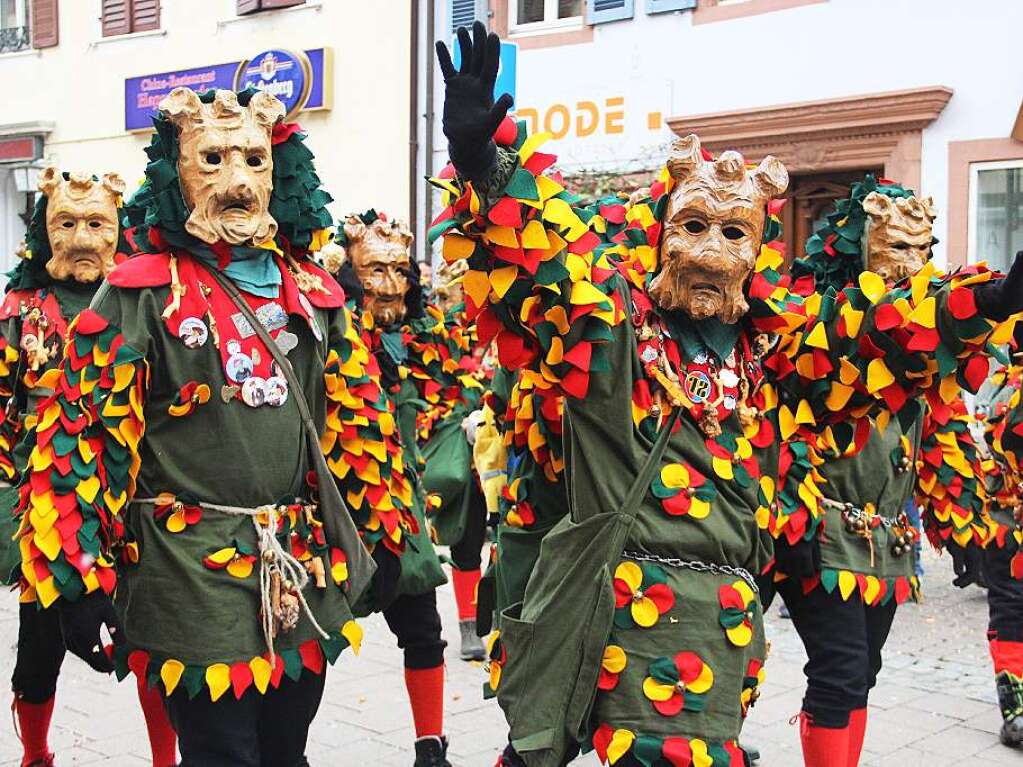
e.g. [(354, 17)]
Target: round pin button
[(193, 332), (254, 391)]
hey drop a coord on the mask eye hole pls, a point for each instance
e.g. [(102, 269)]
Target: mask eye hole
[(733, 233), (254, 161), (213, 158), (68, 224), (95, 224), (902, 246), (693, 226)]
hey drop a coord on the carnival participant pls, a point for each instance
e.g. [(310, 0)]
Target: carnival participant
[(73, 240), (213, 400), (842, 587), (641, 630), (382, 281)]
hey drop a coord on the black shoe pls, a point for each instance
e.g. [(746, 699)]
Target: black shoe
[(1012, 732), (750, 754), (432, 751), (511, 758)]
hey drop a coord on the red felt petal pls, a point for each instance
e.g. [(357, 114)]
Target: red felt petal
[(962, 304), (730, 597), (662, 597), (669, 707), (689, 666), (241, 678)]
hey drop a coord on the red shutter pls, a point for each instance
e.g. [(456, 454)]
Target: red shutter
[(247, 6), (145, 15), (268, 4), (116, 19), (44, 23)]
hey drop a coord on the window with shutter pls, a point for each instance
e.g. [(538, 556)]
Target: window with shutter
[(245, 7), (43, 23), (145, 15), (271, 4), (116, 18), (462, 14), (663, 6), (600, 11)]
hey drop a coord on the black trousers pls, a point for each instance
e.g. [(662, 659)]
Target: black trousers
[(467, 554), (1004, 594), (40, 654), (268, 730), (843, 641), (415, 623)]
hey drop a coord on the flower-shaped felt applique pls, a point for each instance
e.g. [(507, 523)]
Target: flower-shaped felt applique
[(190, 396), (738, 607), (765, 502), (496, 659), (612, 665), (338, 566), (641, 595), (238, 560), (611, 745), (683, 491), (180, 512), (678, 684), (680, 752), (732, 458), (751, 682)]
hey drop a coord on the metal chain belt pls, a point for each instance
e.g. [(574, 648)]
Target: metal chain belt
[(696, 566)]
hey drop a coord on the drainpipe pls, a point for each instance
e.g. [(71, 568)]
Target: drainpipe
[(413, 112)]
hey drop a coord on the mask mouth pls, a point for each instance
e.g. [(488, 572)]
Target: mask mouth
[(706, 287), (241, 204)]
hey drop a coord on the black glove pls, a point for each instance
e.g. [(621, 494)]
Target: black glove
[(470, 114), (80, 622), (997, 299), (384, 586), (966, 563), (799, 560)]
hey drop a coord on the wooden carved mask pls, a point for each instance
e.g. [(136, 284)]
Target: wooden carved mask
[(379, 254), (81, 223), (713, 227), (898, 235), (225, 164)]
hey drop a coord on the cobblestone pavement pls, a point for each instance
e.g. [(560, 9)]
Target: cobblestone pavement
[(934, 705)]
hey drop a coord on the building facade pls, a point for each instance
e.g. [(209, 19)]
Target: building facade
[(83, 76), (926, 93)]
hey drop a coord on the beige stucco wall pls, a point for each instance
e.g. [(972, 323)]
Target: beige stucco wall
[(361, 144)]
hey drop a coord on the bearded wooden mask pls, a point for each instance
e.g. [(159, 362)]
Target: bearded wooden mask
[(225, 164), (713, 228), (379, 254), (81, 223), (898, 234)]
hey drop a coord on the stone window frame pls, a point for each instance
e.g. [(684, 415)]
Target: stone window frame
[(710, 11)]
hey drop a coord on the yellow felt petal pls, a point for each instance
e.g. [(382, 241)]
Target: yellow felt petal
[(740, 635), (644, 612), (48, 543), (872, 285), (878, 376), (261, 672), (631, 574), (222, 556), (503, 235), (457, 247), (240, 568), (654, 690), (872, 590), (703, 682), (534, 236), (170, 673), (723, 468), (620, 744), (614, 659), (701, 758), (176, 522), (88, 488), (924, 313), (46, 590), (743, 448), (846, 583), (744, 591), (804, 413), (818, 337), (786, 422), (352, 631), (503, 278), (476, 286), (675, 475), (698, 508), (838, 396), (586, 293), (218, 679)]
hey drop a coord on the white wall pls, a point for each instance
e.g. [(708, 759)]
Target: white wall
[(361, 145), (839, 48)]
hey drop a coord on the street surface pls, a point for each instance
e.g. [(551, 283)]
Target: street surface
[(934, 704)]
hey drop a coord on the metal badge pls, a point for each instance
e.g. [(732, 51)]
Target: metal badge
[(286, 341), (697, 386), (272, 316), (242, 325), (239, 366), (313, 324), (254, 391), (193, 332), (276, 391)]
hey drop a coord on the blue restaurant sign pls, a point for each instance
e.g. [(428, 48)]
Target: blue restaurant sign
[(300, 79)]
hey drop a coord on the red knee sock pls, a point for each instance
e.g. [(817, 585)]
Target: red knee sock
[(426, 694), (857, 729), (34, 725), (465, 583), (1006, 656), (823, 746), (163, 741)]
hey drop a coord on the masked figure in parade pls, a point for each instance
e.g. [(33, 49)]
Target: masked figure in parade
[(687, 365), (381, 280), (999, 407), (846, 546), (73, 239), (215, 403)]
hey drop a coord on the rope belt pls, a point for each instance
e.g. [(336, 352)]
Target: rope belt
[(696, 566), (275, 563)]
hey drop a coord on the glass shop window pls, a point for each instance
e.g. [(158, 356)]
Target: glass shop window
[(14, 34), (529, 16), (996, 212)]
